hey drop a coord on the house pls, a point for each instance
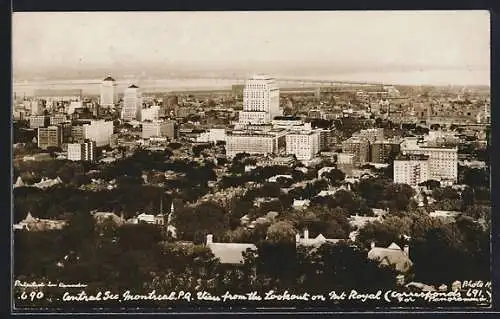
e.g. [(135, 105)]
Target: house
[(150, 219), (314, 242), (392, 256), (31, 223), (228, 253)]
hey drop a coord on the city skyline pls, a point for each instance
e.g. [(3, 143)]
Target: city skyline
[(398, 47)]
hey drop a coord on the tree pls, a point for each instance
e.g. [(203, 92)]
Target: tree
[(281, 232), (195, 223), (330, 267), (391, 229), (445, 193)]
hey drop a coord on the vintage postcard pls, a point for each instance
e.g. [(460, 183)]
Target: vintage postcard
[(223, 161)]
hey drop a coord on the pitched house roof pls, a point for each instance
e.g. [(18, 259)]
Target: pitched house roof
[(108, 78), (391, 256), (133, 86), (229, 253)]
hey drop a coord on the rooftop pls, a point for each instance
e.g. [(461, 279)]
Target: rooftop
[(391, 256), (230, 253), (108, 78)]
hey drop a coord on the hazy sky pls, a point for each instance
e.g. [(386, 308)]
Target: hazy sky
[(363, 41)]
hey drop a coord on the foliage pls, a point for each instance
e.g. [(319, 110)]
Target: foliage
[(194, 223)]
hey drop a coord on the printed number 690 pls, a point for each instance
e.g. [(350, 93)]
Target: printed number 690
[(32, 295)]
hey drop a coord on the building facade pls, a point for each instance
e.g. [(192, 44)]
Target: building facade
[(108, 94), (50, 136), (359, 147), (132, 104), (82, 151), (150, 114), (57, 119), (157, 129), (98, 131), (37, 121), (252, 143), (443, 161), (384, 151), (304, 145), (411, 169), (260, 100)]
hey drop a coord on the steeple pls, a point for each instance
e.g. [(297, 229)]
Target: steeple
[(171, 214)]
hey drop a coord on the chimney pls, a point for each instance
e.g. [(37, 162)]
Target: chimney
[(210, 239), (306, 234), (406, 250), (372, 245)]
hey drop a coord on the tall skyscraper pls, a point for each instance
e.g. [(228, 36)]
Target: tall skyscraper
[(132, 103), (108, 96), (260, 100)]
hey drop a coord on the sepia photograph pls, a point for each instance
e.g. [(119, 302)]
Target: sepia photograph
[(216, 161)]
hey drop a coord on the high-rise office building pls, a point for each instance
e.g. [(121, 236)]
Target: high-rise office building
[(108, 95), (82, 151), (304, 145), (50, 136), (132, 103), (260, 100)]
